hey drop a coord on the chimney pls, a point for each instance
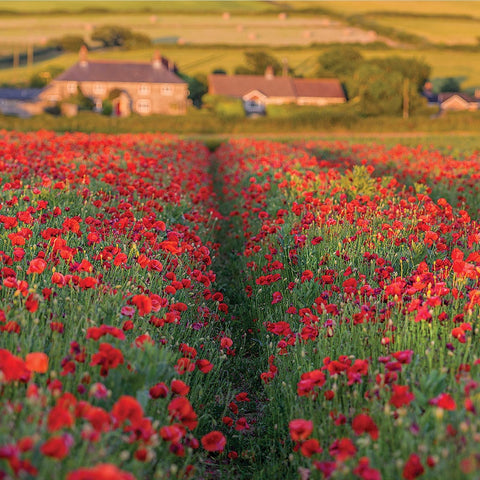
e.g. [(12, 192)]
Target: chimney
[(477, 94), (157, 60), (269, 74), (82, 55), (171, 65), (285, 67)]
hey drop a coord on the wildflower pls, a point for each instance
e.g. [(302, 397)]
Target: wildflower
[(214, 441)]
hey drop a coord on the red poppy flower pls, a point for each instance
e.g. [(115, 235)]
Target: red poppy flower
[(214, 441), (105, 471), (204, 365), (342, 448), (401, 395), (37, 265), (445, 401), (363, 423), (13, 368), (310, 447), (127, 408), (37, 362), (143, 304), (57, 447), (413, 467), (58, 418), (300, 429)]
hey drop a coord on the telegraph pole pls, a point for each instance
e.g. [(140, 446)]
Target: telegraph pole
[(406, 99), (30, 54)]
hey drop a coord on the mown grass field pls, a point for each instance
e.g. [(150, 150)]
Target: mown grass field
[(210, 28)]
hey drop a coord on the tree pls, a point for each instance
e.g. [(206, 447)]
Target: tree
[(68, 43), (416, 70), (379, 91), (115, 36), (257, 62), (450, 84), (340, 61), (197, 88), (41, 79)]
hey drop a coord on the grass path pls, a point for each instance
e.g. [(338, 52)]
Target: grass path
[(245, 375)]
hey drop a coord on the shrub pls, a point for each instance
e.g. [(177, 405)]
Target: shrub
[(107, 107), (68, 43)]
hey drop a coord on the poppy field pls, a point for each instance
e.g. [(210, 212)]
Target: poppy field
[(267, 310)]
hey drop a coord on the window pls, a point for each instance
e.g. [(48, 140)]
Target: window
[(143, 106), (144, 89), (167, 90), (72, 87), (98, 88)]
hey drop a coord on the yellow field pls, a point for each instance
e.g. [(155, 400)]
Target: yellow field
[(436, 30), (421, 7)]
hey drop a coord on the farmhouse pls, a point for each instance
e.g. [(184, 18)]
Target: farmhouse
[(21, 102), (256, 91), (143, 88), (458, 101)]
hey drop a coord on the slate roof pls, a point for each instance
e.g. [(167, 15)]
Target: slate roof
[(239, 85), (109, 71), (21, 94), (442, 97)]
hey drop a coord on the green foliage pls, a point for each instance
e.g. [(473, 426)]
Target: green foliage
[(379, 85), (450, 84), (116, 36), (197, 88), (379, 92), (114, 93), (54, 110), (83, 102), (416, 70), (107, 107), (230, 107), (68, 43), (257, 62), (43, 78), (357, 182), (339, 61)]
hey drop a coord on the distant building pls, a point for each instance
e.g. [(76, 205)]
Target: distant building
[(21, 102), (257, 91), (455, 101), (140, 87)]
